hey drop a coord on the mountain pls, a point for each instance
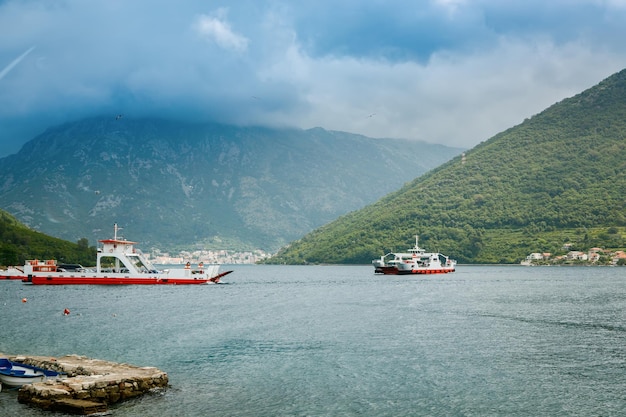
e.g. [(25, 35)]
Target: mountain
[(172, 184), (554, 182), (19, 243)]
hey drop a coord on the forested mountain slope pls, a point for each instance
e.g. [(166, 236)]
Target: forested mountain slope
[(558, 177), (18, 243), (178, 185)]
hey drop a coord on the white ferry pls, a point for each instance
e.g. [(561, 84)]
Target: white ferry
[(414, 261), (119, 263)]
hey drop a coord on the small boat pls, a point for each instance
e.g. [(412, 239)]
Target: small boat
[(119, 263), (15, 374), (415, 261)]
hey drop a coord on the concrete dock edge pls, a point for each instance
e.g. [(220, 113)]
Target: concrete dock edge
[(88, 385)]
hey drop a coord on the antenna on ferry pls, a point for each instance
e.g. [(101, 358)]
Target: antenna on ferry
[(115, 229)]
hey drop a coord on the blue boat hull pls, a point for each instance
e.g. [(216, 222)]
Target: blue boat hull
[(15, 374)]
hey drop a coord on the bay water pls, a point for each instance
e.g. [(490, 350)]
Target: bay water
[(342, 341)]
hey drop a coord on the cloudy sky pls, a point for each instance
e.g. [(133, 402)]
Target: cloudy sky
[(454, 72)]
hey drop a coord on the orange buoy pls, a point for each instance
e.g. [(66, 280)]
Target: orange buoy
[(66, 312), (24, 300)]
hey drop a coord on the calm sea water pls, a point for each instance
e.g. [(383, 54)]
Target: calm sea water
[(341, 341)]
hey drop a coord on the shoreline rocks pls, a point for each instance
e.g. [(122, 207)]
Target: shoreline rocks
[(89, 386)]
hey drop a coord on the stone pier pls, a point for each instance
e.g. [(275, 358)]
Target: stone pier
[(89, 385)]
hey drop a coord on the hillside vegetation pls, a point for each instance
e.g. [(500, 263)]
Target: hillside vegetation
[(19, 243), (558, 177)]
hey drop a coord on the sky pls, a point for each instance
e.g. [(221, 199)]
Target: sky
[(454, 72)]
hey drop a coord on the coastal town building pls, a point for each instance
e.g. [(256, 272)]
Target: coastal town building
[(595, 256), (208, 256)]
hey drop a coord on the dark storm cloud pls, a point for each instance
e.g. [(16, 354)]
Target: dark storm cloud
[(447, 71)]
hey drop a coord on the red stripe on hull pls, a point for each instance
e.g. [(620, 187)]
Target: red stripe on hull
[(387, 270), (395, 271), (426, 271)]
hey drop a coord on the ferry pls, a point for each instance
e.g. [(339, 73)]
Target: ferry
[(119, 263), (12, 272), (414, 261)]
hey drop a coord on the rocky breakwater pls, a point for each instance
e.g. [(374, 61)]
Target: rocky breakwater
[(90, 385)]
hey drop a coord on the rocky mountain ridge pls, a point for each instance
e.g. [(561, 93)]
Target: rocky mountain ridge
[(177, 185)]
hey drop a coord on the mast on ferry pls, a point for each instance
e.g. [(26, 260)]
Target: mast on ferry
[(115, 229)]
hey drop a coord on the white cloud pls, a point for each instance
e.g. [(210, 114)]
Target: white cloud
[(449, 71), (457, 99), (616, 3), (216, 29), (451, 6)]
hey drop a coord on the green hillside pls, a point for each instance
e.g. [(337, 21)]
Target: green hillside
[(558, 177), (19, 243)]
